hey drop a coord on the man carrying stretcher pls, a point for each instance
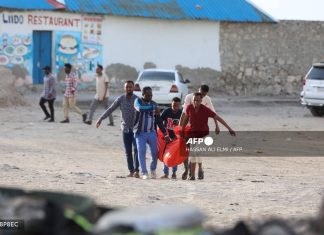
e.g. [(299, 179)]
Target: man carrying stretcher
[(197, 114)]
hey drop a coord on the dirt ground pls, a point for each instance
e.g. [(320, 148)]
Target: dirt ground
[(79, 158)]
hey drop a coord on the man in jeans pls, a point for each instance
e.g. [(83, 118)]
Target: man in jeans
[(102, 95), (70, 94), (171, 118), (197, 114), (48, 95), (147, 117), (126, 104)]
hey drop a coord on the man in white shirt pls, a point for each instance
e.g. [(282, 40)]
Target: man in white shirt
[(208, 103), (102, 95), (205, 100)]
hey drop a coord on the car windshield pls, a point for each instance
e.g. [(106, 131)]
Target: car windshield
[(157, 76), (316, 73)]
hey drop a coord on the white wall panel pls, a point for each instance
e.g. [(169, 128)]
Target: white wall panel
[(134, 41)]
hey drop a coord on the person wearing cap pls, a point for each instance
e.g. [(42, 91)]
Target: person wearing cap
[(49, 94), (71, 94), (102, 95)]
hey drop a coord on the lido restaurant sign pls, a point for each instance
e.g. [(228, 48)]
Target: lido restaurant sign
[(42, 20)]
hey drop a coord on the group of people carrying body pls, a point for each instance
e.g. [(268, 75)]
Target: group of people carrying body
[(140, 117)]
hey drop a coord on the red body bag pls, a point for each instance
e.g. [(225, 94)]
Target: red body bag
[(176, 152)]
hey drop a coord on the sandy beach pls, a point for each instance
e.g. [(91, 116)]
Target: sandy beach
[(81, 159)]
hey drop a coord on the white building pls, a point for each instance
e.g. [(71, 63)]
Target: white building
[(183, 32)]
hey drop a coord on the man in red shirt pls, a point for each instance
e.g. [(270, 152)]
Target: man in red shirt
[(198, 115)]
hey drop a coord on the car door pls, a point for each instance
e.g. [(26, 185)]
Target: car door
[(314, 87)]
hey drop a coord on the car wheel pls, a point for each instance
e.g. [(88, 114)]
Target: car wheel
[(317, 111)]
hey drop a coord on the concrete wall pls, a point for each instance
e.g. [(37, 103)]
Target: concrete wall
[(268, 59), (256, 59)]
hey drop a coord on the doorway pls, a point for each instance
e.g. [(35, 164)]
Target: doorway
[(42, 54)]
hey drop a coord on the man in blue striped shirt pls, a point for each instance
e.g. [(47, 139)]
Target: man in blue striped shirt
[(146, 120)]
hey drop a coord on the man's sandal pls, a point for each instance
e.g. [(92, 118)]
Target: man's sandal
[(200, 175), (185, 175)]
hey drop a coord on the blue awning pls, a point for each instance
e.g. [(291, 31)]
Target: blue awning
[(213, 10)]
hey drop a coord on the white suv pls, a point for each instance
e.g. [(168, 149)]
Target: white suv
[(165, 84), (313, 90)]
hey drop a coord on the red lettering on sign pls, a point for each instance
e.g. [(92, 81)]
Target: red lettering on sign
[(60, 21), (45, 18), (54, 21), (70, 22), (77, 22), (30, 19), (39, 19)]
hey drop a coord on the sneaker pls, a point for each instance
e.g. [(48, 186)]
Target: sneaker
[(153, 175), (84, 117), (131, 174), (65, 121), (144, 177), (111, 124), (164, 177), (51, 120), (173, 176), (47, 117), (88, 122), (136, 174)]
